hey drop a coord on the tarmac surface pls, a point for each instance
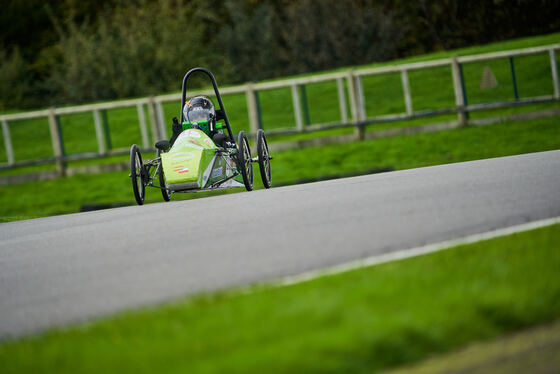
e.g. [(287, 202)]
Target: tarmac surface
[(67, 269)]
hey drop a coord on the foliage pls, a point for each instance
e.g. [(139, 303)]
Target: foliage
[(248, 41), (135, 50), (15, 83), (326, 34)]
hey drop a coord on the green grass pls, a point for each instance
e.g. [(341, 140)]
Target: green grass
[(533, 350), (477, 49), (430, 89), (405, 152), (360, 321), (67, 195)]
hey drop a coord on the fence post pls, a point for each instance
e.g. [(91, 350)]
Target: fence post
[(106, 129), (8, 142), (153, 119), (513, 79), (354, 106), (161, 120), (464, 90), (253, 107), (297, 108), (57, 142), (143, 128), (360, 103), (406, 91), (342, 100), (259, 113), (361, 99), (458, 88), (304, 104), (554, 70), (352, 96), (99, 132)]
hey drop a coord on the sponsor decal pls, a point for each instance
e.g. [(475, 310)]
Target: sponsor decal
[(218, 172), (182, 136), (229, 163), (180, 169), (179, 157), (209, 142), (193, 145), (195, 142), (192, 133)]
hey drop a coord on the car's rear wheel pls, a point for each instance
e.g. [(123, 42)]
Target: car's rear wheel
[(137, 174), (264, 159), (244, 161), (164, 191)]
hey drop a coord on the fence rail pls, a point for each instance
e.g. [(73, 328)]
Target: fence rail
[(349, 89)]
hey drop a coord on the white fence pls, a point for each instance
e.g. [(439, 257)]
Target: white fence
[(349, 90)]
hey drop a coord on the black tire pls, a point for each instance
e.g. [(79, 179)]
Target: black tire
[(136, 174), (164, 191), (264, 159), (244, 161)]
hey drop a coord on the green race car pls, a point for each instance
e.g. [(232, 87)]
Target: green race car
[(202, 153)]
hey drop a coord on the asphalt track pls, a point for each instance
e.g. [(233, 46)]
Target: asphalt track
[(65, 269)]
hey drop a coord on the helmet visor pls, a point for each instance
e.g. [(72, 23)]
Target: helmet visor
[(197, 114)]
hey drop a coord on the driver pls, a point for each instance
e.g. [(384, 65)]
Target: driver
[(199, 113)]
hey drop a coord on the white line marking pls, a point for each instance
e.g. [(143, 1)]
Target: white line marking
[(411, 252)]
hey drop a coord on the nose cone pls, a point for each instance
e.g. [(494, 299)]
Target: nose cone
[(186, 164)]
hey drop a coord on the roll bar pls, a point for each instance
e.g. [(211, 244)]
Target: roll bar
[(220, 113)]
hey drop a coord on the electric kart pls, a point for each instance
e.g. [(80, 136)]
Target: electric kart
[(195, 162)]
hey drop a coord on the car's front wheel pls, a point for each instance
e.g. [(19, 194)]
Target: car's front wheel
[(137, 174), (244, 161)]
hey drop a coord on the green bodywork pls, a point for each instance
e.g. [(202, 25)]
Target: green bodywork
[(202, 125), (194, 163)]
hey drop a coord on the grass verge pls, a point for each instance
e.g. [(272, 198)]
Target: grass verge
[(533, 350), (360, 321), (67, 195)]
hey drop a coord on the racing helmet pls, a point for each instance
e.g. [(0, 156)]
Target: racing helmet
[(199, 111)]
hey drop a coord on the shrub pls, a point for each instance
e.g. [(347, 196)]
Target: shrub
[(16, 82), (132, 51)]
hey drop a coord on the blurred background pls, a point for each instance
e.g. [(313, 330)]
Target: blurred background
[(336, 85), (341, 88)]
